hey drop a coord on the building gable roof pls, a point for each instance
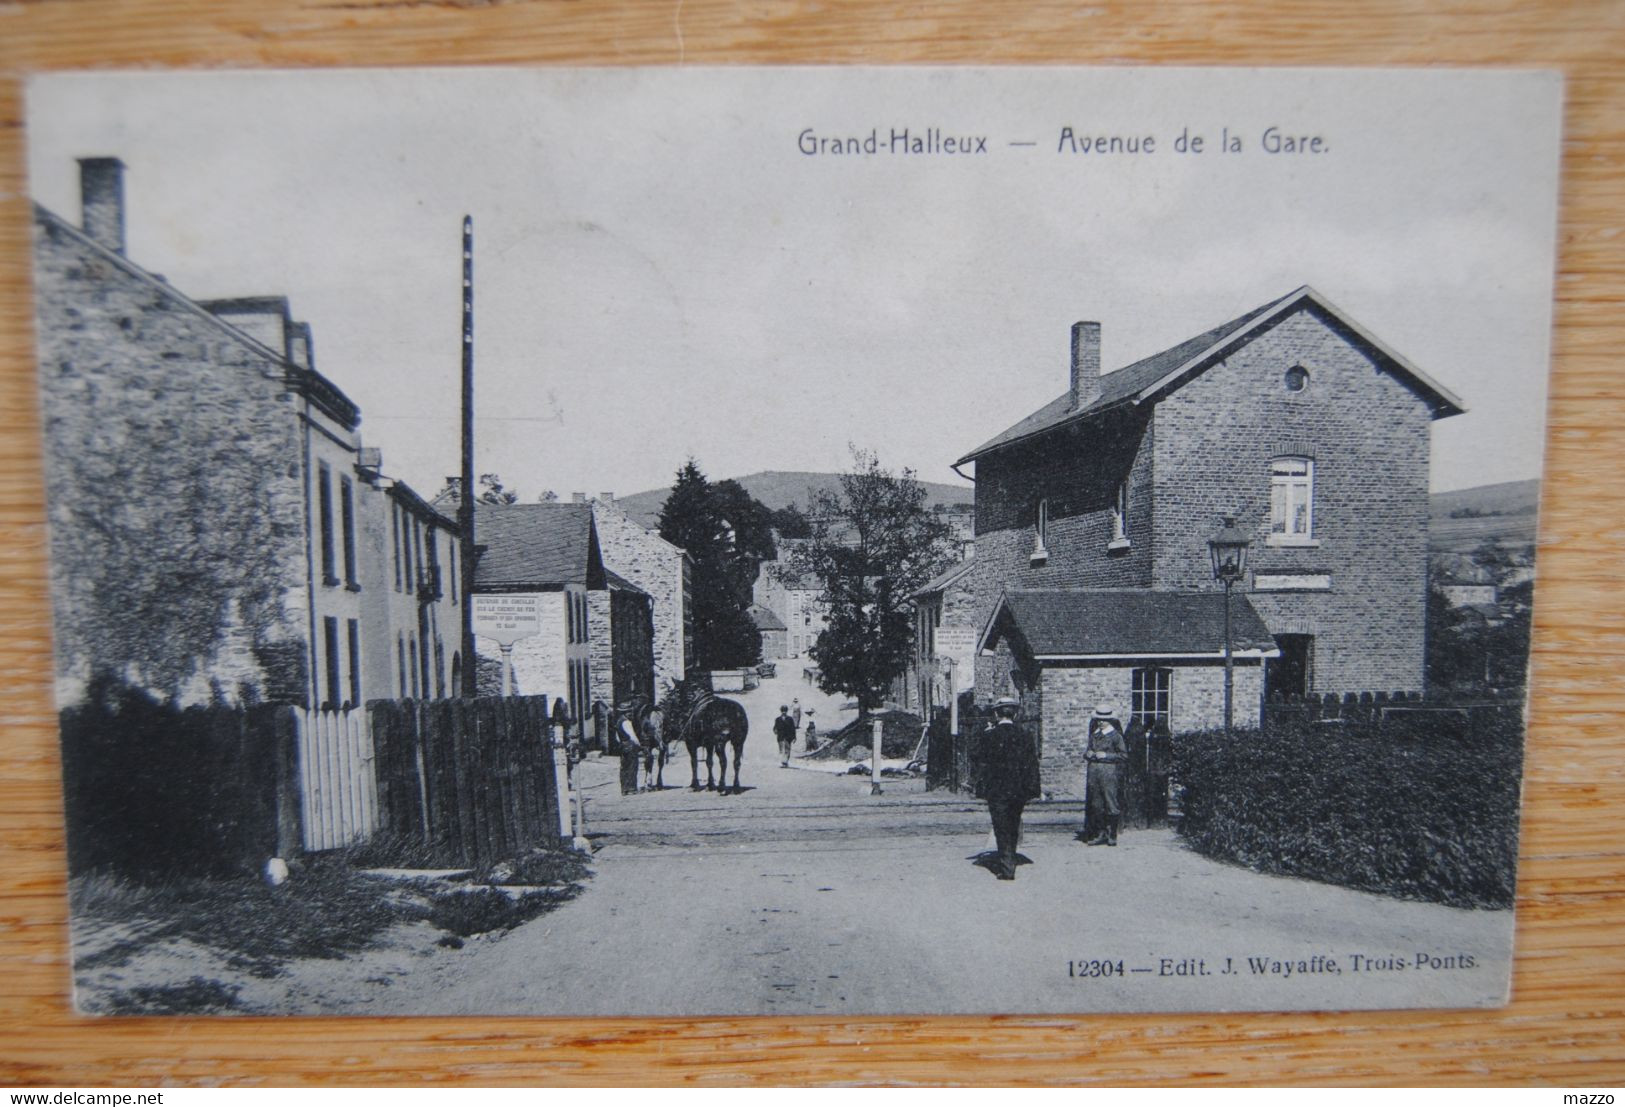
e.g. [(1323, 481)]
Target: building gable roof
[(1150, 378), (943, 580), (1068, 624), (765, 619), (307, 381), (536, 547)]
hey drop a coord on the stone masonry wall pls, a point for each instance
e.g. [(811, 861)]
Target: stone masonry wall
[(656, 566), (172, 462), (1368, 435), (600, 647)]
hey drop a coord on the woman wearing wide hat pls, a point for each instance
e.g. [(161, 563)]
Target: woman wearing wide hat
[(1106, 756)]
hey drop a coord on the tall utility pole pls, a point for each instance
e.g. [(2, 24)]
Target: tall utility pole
[(465, 493)]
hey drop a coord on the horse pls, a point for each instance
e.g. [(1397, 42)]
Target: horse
[(705, 720)]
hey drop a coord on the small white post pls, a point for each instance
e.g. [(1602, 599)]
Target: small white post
[(953, 696), (507, 668), (580, 841), (874, 757), (561, 780)]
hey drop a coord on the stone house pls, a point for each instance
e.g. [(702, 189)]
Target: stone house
[(412, 620), (947, 622), (597, 641), (663, 571), (1292, 418), (772, 629), (797, 601), (202, 479)]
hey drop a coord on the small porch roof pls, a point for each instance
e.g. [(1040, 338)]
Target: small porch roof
[(1125, 624)]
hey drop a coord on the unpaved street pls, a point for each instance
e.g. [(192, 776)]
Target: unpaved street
[(807, 895)]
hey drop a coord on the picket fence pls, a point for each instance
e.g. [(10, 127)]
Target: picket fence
[(338, 778)]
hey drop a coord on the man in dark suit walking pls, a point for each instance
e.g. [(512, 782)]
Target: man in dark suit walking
[(1007, 778)]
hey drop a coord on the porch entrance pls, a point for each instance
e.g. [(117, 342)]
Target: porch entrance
[(1292, 673)]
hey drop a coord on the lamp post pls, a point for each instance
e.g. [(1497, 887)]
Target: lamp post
[(1228, 550)]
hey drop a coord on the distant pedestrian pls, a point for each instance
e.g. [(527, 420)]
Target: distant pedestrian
[(1103, 783), (1007, 777), (795, 713), (784, 729), (627, 745), (812, 730)]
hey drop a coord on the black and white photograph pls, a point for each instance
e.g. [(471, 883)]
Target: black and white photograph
[(792, 541)]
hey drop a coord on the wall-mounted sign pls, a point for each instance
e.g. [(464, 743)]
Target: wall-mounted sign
[(507, 619), (1291, 582)]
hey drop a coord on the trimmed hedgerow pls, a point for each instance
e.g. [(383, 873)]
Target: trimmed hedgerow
[(1428, 816)]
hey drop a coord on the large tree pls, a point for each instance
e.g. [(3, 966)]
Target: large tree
[(874, 544), (728, 533)]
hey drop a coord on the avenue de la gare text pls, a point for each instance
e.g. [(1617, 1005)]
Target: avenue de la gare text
[(1071, 140)]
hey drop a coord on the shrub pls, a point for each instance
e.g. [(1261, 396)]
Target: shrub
[(483, 910), (1429, 816)]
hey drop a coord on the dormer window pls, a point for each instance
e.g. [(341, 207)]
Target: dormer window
[(1292, 501), (1041, 533), (1119, 539)]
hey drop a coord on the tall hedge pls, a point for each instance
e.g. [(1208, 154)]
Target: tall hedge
[(1428, 813)]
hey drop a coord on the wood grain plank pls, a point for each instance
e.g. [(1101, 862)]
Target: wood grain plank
[(1567, 1021)]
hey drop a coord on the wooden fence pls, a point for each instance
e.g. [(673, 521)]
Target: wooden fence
[(157, 791), (338, 785), (1400, 711), (471, 781)]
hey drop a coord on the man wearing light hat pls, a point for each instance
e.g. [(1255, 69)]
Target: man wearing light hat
[(1008, 778), (1106, 756)]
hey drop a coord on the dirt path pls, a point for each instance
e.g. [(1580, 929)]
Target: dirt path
[(807, 895)]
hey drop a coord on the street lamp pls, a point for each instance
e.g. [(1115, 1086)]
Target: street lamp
[(1228, 549)]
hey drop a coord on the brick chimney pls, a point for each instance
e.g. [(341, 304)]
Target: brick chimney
[(607, 497), (1085, 364), (578, 497), (101, 196)]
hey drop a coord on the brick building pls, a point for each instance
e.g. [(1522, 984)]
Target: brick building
[(1294, 419)]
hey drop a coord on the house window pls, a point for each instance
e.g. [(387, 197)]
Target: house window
[(1148, 703), (400, 657), (417, 554), (1041, 532), (412, 659), (1292, 497), (354, 629), (330, 661), (347, 515), (1119, 539), (451, 554), (1296, 379), (395, 542), (324, 498)]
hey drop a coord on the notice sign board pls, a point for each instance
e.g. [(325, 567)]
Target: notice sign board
[(959, 643), (507, 619)]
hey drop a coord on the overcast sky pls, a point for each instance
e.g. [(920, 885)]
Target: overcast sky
[(661, 272)]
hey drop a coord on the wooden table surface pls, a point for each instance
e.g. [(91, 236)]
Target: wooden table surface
[(1566, 1025)]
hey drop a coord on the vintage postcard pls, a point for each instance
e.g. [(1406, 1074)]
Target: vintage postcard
[(792, 541)]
